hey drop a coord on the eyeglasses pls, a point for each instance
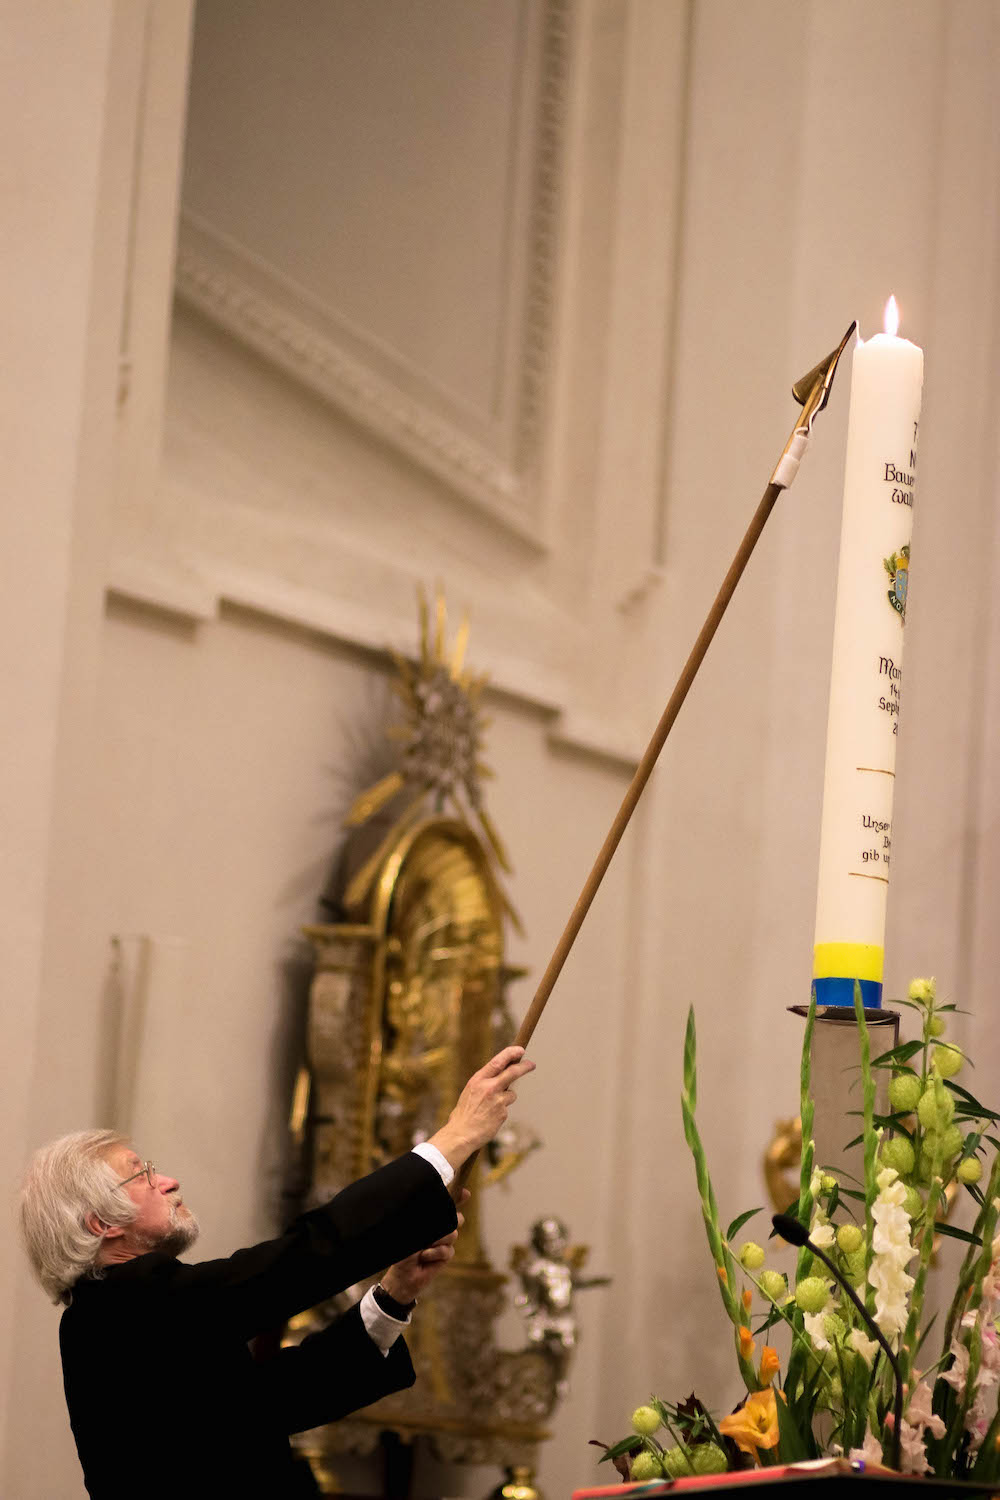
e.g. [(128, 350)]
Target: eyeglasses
[(147, 1170)]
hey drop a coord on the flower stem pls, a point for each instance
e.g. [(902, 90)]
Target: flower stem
[(724, 1264), (870, 1138)]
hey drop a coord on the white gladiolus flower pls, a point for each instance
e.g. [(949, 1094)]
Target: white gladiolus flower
[(912, 1451), (892, 1252), (870, 1451), (866, 1347), (813, 1323), (920, 1413)]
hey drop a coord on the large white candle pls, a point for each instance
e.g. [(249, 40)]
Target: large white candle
[(856, 837)]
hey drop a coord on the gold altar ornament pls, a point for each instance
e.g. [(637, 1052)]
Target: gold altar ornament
[(407, 1000), (441, 747)]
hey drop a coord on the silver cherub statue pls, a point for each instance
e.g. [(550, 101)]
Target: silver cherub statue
[(549, 1271)]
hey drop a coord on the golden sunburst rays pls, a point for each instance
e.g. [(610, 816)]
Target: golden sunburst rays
[(440, 745)]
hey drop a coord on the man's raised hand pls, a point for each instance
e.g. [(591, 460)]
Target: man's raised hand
[(408, 1278), (482, 1106)]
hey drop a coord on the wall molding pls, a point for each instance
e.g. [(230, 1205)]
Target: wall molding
[(198, 591), (496, 472)]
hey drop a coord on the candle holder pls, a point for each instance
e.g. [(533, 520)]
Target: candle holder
[(836, 1070)]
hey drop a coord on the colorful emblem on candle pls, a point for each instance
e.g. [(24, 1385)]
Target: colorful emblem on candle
[(898, 568)]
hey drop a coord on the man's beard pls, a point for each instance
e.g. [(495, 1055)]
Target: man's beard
[(178, 1235)]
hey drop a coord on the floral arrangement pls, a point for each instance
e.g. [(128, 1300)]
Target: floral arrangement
[(833, 1394)]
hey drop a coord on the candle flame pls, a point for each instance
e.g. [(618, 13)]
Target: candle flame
[(891, 318)]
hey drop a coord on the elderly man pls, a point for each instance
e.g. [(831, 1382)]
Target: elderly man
[(164, 1396)]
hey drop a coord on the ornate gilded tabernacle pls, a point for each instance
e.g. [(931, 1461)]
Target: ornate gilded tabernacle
[(407, 1000)]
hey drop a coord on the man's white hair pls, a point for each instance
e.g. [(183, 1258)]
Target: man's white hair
[(65, 1181)]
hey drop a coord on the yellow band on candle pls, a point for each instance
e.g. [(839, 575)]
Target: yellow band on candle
[(848, 961)]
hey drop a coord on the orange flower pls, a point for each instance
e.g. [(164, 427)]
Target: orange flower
[(747, 1299), (755, 1425), (769, 1365), (746, 1343), (721, 1273)]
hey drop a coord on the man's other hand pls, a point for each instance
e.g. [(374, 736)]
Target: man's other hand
[(482, 1106), (408, 1278)]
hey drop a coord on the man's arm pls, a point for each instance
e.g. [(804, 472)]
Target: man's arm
[(384, 1219), (332, 1373)]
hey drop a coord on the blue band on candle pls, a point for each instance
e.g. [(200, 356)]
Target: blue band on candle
[(841, 992)]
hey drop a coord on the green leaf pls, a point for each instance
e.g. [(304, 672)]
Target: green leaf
[(900, 1054), (956, 1234), (662, 1411), (924, 1336), (791, 1444), (977, 1108), (985, 1467), (739, 1222), (625, 1446), (895, 1124), (774, 1316)]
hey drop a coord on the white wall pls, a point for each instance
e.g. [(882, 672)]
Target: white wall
[(710, 192)]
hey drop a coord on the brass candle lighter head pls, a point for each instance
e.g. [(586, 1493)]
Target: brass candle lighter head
[(813, 390)]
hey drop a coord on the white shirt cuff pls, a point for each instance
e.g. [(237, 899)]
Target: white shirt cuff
[(440, 1163), (381, 1329)]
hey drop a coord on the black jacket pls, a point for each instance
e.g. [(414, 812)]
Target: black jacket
[(164, 1397)]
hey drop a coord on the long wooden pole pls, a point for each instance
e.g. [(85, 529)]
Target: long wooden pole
[(811, 392), (645, 766), (642, 774)]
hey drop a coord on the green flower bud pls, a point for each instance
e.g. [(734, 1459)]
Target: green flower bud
[(970, 1169), (773, 1285), (923, 991), (856, 1265), (812, 1294), (676, 1462), (751, 1256), (904, 1093), (898, 1152), (949, 1143), (935, 1025), (708, 1458), (645, 1420), (913, 1204), (827, 1182), (947, 1059), (646, 1466), (936, 1107), (850, 1238), (834, 1328), (831, 1391)]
